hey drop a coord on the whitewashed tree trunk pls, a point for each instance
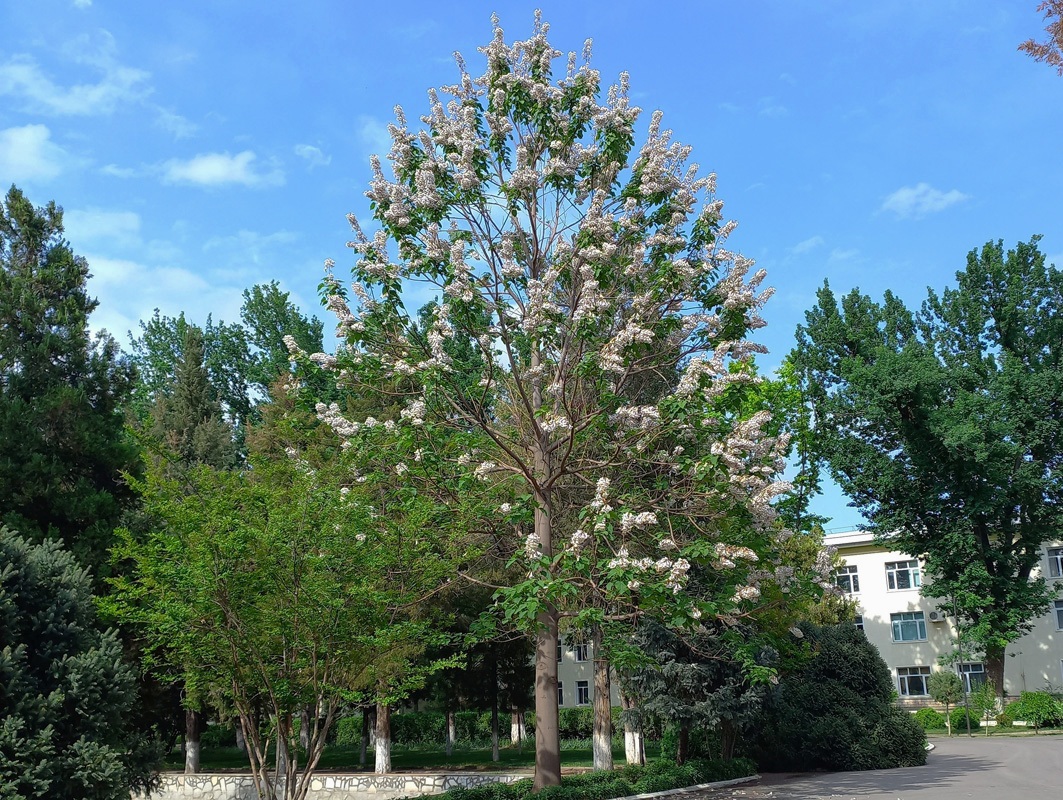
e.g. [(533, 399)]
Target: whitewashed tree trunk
[(517, 732), (193, 731), (383, 740), (634, 749), (452, 731)]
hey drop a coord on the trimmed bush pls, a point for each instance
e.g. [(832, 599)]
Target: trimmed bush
[(217, 736), (1037, 709), (959, 720), (930, 719), (1005, 719), (836, 712)]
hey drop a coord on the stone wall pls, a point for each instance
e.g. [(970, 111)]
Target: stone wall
[(325, 786)]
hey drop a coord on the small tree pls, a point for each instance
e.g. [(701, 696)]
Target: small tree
[(985, 702), (607, 329), (946, 687), (66, 696), (1049, 51)]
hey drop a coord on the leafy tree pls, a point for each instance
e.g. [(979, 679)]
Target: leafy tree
[(65, 694), (62, 442), (580, 273), (944, 427), (985, 702), (1051, 50), (946, 687), (269, 316)]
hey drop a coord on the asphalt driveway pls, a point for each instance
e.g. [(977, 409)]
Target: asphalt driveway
[(980, 768)]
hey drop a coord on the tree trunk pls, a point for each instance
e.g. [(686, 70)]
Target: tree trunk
[(241, 740), (728, 736), (602, 735), (495, 755), (306, 721), (193, 732), (682, 745), (365, 737), (547, 743), (452, 731), (517, 732), (634, 751), (383, 739), (994, 669)]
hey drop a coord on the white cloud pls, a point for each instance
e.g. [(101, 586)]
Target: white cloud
[(21, 77), (313, 155), (116, 171), (770, 107), (250, 247), (807, 245), (28, 153), (838, 254), (174, 123), (374, 135), (220, 169), (82, 3), (914, 202), (94, 225)]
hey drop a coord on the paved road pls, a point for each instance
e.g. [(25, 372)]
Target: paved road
[(997, 768)]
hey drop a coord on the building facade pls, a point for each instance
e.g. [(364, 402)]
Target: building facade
[(575, 674), (913, 632)]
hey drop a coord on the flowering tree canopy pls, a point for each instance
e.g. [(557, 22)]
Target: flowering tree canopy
[(588, 341)]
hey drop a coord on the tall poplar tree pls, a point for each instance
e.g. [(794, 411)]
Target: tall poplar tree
[(63, 446), (945, 428)]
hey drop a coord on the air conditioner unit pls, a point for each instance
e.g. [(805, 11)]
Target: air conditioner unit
[(936, 616)]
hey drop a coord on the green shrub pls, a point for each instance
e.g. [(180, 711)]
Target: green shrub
[(930, 719), (1037, 709), (657, 776), (217, 736), (1005, 719), (420, 727), (349, 731), (836, 711), (959, 720)]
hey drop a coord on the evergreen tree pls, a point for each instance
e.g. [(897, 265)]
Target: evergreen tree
[(62, 442), (66, 696)]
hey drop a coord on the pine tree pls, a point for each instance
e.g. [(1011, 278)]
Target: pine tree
[(63, 447), (66, 696)]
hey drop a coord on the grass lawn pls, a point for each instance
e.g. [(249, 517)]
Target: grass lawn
[(345, 759)]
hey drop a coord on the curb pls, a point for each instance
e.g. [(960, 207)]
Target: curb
[(696, 788)]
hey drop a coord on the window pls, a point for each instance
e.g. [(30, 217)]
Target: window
[(558, 651), (902, 575), (1059, 614), (581, 651), (973, 676), (560, 693), (1055, 562), (858, 621), (908, 627), (583, 693), (912, 681), (847, 579)]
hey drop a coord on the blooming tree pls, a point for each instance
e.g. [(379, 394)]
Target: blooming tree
[(586, 287)]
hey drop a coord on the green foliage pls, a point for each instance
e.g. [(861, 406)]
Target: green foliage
[(657, 776), (217, 736), (930, 719), (66, 695), (945, 687), (836, 712), (62, 442), (958, 719), (1039, 709), (944, 427)]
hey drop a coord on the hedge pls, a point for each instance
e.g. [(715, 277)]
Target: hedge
[(930, 719), (657, 776)]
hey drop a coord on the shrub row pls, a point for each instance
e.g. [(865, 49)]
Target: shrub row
[(657, 776), (1037, 709)]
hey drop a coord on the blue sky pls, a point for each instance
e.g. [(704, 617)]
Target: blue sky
[(201, 147)]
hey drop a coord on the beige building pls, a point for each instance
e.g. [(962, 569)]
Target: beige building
[(575, 675), (912, 632)]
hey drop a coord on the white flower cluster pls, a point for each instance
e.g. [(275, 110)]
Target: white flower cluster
[(676, 569), (746, 593), (727, 555), (484, 470), (414, 413), (333, 417), (553, 423), (630, 522), (636, 417)]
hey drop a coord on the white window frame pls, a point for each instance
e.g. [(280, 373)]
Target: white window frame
[(896, 568), (848, 575), (582, 651), (966, 670), (858, 622), (1055, 562), (558, 651), (583, 693), (899, 620), (904, 674), (1057, 606), (560, 693)]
